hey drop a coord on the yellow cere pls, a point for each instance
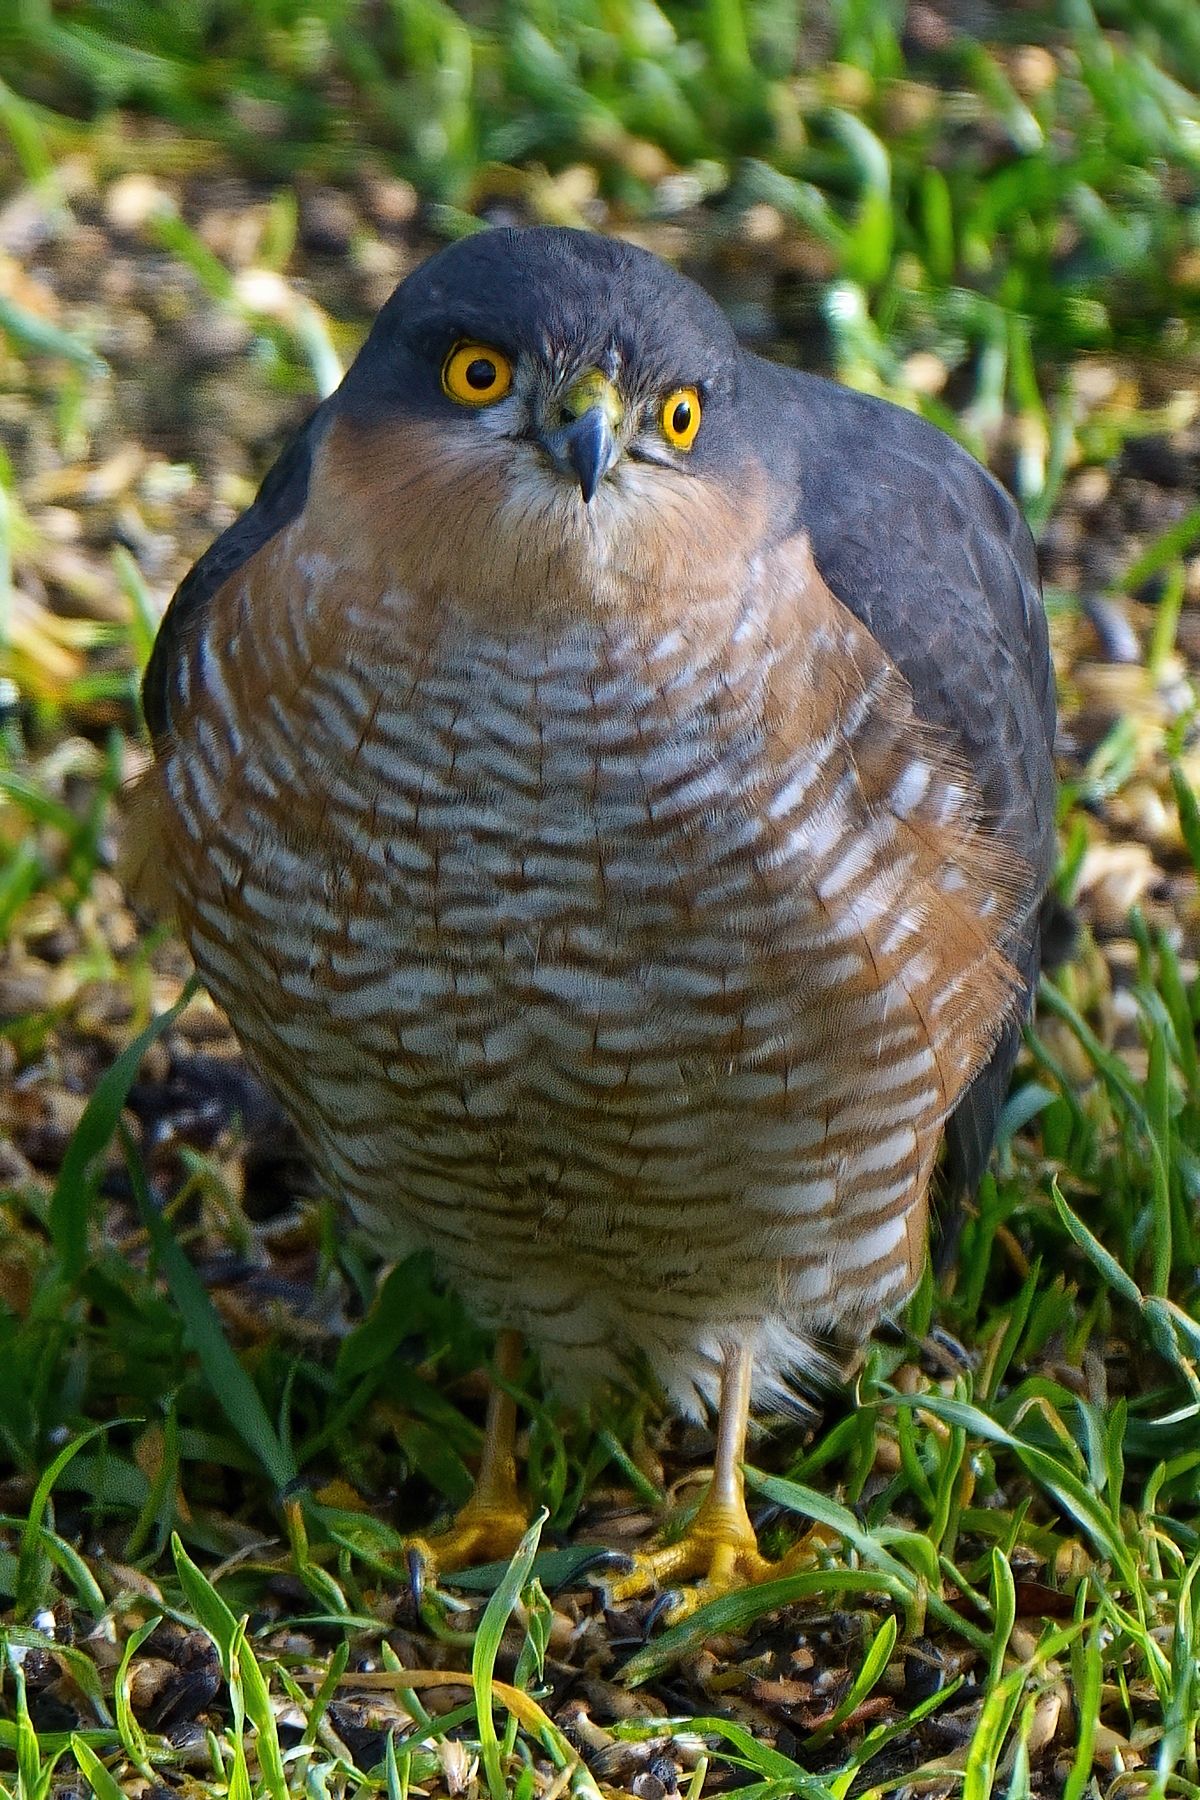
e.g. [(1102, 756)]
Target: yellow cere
[(680, 417), (476, 374)]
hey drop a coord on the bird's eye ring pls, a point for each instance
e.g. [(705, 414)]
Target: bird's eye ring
[(680, 417), (476, 374)]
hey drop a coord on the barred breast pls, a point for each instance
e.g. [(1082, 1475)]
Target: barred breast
[(633, 973)]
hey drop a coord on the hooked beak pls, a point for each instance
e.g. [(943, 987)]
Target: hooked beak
[(588, 441)]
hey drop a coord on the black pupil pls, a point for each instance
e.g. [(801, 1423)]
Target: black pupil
[(681, 418), (481, 373)]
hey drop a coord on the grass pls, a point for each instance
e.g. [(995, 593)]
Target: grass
[(213, 1419)]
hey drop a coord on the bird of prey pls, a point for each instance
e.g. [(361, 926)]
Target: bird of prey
[(606, 779)]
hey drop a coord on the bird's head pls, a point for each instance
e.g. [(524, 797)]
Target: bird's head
[(541, 421)]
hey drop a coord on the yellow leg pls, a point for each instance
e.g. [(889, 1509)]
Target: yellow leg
[(719, 1552), (493, 1521)]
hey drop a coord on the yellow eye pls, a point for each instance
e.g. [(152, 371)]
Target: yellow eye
[(476, 375), (680, 418)]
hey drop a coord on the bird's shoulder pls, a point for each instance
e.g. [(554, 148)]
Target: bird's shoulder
[(927, 549), (280, 499)]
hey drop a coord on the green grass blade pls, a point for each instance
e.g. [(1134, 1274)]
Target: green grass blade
[(1086, 1682), (874, 1663), (102, 1784), (133, 1738), (496, 1615), (30, 1567), (257, 1699), (1189, 814), (734, 1612), (1175, 541), (1102, 1260), (1062, 1483), (1004, 1605), (231, 1387), (74, 1191), (210, 1611)]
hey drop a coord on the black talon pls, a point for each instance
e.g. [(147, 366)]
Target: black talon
[(662, 1605), (416, 1575)]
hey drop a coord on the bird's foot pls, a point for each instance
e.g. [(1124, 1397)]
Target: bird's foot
[(717, 1555), (493, 1521), (486, 1530)]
